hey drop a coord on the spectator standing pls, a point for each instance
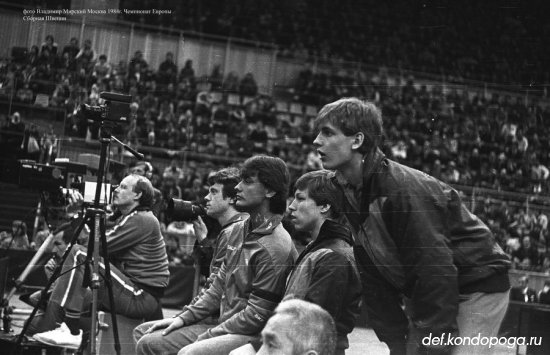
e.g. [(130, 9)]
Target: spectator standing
[(102, 69), (248, 86), (49, 45), (168, 70), (71, 48), (85, 57), (463, 272)]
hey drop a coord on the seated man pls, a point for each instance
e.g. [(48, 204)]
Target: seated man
[(62, 236), (325, 272), (251, 280), (139, 269), (299, 328), (220, 205)]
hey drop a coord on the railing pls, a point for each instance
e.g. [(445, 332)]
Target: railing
[(120, 39)]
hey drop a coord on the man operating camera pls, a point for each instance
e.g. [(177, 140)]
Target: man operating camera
[(220, 205), (139, 269)]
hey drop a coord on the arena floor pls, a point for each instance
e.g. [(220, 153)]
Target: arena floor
[(362, 340)]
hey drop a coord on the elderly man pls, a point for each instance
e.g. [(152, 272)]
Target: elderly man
[(139, 268), (299, 328)]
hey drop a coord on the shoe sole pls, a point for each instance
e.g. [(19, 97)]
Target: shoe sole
[(51, 343)]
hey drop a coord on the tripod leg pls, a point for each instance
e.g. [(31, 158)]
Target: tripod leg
[(109, 285), (94, 281)]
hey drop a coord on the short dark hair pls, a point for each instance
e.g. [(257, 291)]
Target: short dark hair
[(352, 115), (273, 173), (144, 186), (229, 178), (322, 189)]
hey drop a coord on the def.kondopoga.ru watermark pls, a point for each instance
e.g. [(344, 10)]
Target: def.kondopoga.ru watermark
[(449, 339)]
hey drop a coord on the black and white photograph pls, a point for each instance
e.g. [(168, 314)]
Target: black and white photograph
[(293, 177)]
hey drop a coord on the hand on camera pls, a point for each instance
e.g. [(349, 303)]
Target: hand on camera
[(74, 199)]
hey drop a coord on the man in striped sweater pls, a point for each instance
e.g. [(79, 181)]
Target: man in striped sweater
[(139, 269)]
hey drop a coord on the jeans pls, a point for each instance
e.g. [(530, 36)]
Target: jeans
[(479, 314), (182, 341)]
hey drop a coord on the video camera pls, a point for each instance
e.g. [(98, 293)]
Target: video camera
[(116, 108), (57, 180), (181, 210)]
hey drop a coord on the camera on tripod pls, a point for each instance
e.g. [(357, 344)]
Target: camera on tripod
[(58, 180), (181, 210), (116, 108)]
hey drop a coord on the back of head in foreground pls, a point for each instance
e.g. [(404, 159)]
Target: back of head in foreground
[(299, 328)]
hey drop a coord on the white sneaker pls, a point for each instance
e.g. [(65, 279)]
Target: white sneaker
[(61, 337)]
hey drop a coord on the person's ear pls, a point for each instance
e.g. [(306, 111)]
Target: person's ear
[(138, 195), (311, 352), (358, 140), (325, 208), (270, 193)]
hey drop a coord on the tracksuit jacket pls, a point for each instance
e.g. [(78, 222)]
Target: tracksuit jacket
[(416, 238), (251, 281), (217, 248), (325, 274), (136, 247)]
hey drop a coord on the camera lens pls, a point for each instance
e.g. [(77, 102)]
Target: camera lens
[(180, 210)]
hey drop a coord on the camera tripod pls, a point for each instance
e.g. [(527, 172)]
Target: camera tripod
[(97, 238)]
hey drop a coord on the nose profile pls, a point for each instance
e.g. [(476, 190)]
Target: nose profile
[(317, 141), (291, 206)]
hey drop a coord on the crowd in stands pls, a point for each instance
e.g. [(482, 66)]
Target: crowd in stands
[(497, 143), (484, 41)]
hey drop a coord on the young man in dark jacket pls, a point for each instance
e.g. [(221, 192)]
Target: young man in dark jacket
[(325, 272), (417, 245)]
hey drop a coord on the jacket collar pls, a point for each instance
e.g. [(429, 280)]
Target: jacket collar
[(267, 226), (330, 230), (371, 164), (333, 230), (236, 218)]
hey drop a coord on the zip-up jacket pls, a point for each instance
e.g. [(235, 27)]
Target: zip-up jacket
[(419, 240), (136, 247), (325, 274), (217, 248), (251, 281)]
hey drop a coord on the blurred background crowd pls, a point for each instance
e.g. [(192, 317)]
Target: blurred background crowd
[(478, 140)]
